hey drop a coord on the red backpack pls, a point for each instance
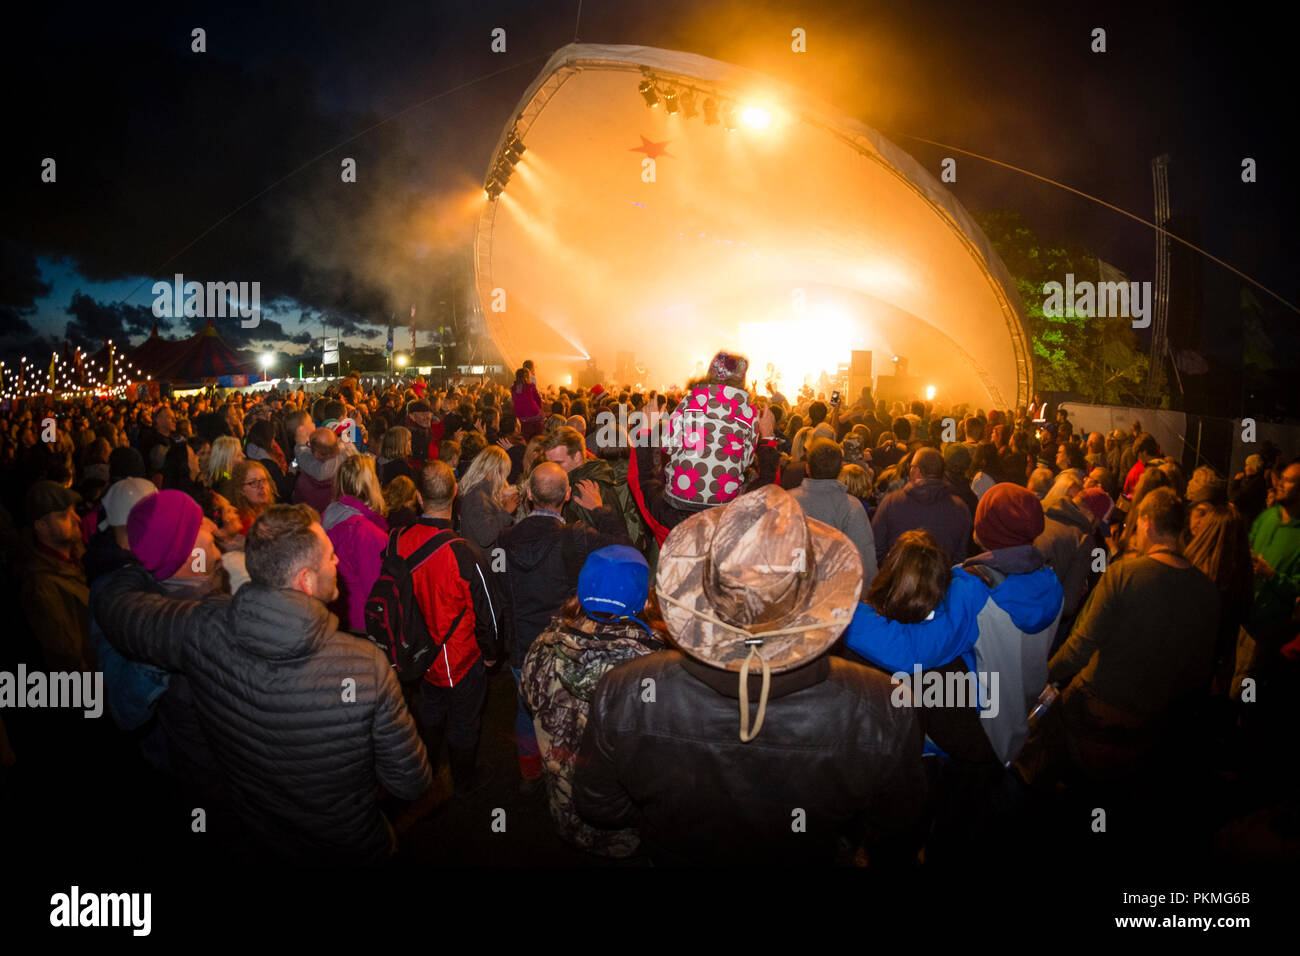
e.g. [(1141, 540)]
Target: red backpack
[(394, 620)]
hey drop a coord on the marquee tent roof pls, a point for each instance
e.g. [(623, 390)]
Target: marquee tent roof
[(153, 353), (797, 236), (204, 355)]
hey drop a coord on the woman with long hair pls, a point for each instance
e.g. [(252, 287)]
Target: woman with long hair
[(799, 446), (180, 470), (228, 536), (487, 501), (260, 444), (402, 502), (393, 455), (251, 490), (527, 403), (857, 482), (920, 612), (1150, 480), (1219, 547), (203, 452), (534, 455), (354, 522), (226, 454)]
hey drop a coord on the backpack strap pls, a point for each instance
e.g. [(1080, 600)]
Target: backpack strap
[(425, 551), (422, 554)]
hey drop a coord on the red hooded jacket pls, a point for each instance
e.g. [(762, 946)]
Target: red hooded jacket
[(462, 605)]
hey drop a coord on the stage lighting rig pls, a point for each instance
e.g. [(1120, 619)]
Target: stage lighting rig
[(511, 153), (670, 101), (688, 103), (729, 122), (710, 111), (515, 149), (647, 89)]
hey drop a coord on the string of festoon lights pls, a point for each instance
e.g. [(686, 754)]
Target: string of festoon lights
[(67, 381)]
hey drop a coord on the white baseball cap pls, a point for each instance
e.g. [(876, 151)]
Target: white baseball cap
[(121, 497)]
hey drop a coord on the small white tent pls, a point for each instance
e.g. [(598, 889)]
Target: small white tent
[(797, 235)]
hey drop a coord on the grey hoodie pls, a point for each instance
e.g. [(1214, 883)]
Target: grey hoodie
[(826, 500), (311, 465), (1067, 542)]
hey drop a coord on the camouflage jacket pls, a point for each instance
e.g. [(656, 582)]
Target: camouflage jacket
[(560, 675)]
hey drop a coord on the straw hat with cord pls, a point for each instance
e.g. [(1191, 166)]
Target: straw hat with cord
[(757, 583)]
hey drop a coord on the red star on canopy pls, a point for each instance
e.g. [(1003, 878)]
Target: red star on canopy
[(652, 149)]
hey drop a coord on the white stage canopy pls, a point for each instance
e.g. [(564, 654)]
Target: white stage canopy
[(796, 237)]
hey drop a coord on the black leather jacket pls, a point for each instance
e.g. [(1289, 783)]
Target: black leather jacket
[(833, 756)]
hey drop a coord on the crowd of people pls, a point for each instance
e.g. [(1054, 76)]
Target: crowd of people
[(724, 623)]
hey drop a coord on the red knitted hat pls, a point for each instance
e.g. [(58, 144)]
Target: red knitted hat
[(1007, 516), (1096, 503)]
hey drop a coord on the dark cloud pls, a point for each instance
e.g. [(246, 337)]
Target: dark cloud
[(20, 287), (336, 323), (163, 155), (13, 325), (93, 322), (224, 162), (265, 334), (20, 277)]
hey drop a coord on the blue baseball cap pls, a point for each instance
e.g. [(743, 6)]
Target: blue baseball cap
[(615, 582)]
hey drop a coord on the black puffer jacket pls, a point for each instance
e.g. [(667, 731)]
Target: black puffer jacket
[(832, 745), (303, 755)]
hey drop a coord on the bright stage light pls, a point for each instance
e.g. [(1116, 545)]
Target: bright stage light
[(799, 351), (401, 361), (267, 359), (929, 393), (756, 117)]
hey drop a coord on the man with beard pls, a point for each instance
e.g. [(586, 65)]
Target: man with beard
[(306, 722)]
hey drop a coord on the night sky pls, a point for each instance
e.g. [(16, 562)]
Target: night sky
[(225, 164)]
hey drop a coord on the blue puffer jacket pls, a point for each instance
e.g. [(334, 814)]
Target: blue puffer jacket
[(999, 616), (1016, 628), (950, 632), (133, 688)]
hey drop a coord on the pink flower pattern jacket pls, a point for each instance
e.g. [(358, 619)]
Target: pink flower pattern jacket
[(711, 439)]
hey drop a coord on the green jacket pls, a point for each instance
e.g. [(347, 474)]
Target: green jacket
[(56, 600), (614, 492), (1277, 543)]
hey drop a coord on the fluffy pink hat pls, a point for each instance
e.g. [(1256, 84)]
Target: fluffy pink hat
[(162, 530)]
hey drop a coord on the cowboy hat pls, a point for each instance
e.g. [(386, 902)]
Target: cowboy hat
[(757, 581)]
